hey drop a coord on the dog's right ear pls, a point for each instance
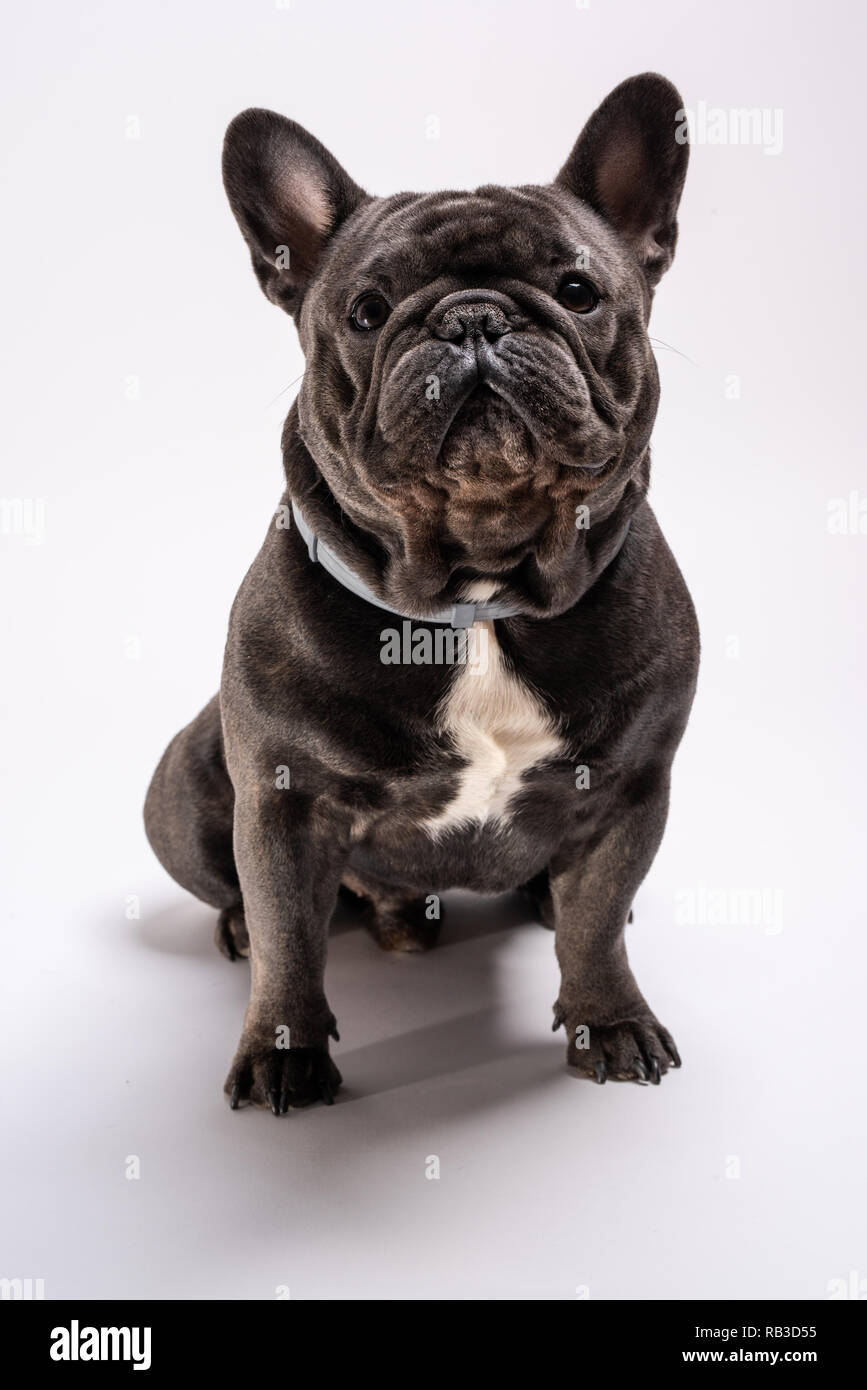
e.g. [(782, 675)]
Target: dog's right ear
[(289, 196)]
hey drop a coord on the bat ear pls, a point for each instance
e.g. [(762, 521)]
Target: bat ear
[(629, 164), (289, 195)]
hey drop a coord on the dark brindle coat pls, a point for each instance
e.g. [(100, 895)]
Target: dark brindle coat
[(449, 444)]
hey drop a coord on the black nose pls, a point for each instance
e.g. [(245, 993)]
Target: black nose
[(473, 319)]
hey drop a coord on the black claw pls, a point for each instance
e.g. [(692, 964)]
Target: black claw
[(334, 1034), (654, 1071), (274, 1102), (640, 1069), (235, 1097), (674, 1055), (631, 915), (327, 1094), (284, 1101), (601, 1073)]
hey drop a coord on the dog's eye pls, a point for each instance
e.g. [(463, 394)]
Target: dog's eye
[(577, 295), (370, 311)]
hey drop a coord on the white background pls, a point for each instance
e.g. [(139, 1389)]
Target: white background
[(121, 261)]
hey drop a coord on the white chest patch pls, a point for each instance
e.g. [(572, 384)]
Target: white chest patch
[(499, 726)]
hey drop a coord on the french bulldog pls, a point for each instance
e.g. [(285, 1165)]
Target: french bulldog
[(467, 457)]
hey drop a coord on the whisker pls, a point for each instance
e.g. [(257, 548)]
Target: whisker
[(659, 343), (285, 389)]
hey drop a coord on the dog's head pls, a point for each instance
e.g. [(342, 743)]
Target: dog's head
[(478, 363)]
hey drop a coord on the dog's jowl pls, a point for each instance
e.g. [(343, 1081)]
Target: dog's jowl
[(469, 455)]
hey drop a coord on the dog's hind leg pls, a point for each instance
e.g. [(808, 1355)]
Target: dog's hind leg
[(230, 936), (538, 892), (188, 819), (396, 920)]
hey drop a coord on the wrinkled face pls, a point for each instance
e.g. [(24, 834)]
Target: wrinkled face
[(468, 350), (477, 363)]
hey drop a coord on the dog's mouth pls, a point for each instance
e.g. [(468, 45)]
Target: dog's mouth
[(485, 436), (476, 410)]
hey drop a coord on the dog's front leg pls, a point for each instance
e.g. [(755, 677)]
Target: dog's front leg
[(611, 1030), (290, 851)]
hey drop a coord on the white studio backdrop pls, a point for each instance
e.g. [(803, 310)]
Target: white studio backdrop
[(145, 380)]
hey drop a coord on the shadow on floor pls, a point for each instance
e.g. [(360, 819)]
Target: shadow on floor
[(378, 992)]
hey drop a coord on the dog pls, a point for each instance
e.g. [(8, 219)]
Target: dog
[(467, 458)]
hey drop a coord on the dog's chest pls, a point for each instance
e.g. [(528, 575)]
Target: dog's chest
[(498, 726)]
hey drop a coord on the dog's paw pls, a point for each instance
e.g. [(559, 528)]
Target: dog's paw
[(395, 921), (406, 929), (231, 935), (634, 1048), (281, 1079)]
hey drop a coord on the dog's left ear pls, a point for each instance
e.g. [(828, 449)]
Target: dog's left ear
[(289, 195), (629, 164)]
